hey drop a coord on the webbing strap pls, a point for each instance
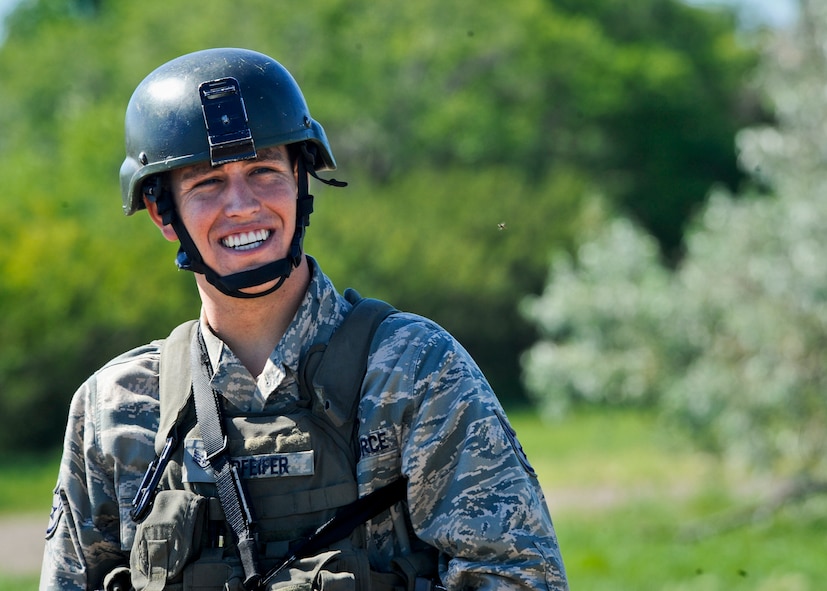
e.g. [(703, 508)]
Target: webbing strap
[(230, 492)]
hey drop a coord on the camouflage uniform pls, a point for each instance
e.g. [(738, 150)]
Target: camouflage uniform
[(426, 412)]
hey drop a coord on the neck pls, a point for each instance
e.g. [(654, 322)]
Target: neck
[(253, 327)]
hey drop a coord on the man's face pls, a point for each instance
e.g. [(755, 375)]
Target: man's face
[(240, 215)]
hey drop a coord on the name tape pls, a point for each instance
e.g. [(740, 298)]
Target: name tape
[(198, 469)]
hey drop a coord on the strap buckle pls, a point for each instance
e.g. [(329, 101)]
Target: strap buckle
[(211, 455)]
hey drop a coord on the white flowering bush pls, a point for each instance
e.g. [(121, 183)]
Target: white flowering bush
[(732, 343), (600, 318)]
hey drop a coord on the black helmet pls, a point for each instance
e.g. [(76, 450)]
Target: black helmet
[(215, 105), (219, 106)]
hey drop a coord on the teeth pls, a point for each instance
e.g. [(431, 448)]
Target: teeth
[(246, 240)]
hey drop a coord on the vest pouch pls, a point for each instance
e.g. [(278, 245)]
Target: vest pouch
[(214, 571), (417, 570), (334, 570), (167, 540)]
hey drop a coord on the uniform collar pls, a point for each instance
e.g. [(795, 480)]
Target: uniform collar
[(320, 313)]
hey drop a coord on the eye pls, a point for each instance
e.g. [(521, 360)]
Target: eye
[(265, 170), (205, 182)]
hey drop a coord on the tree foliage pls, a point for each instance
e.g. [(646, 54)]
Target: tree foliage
[(475, 140), (682, 87), (732, 343)]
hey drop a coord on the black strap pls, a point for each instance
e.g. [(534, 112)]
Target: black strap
[(237, 511), (345, 520)]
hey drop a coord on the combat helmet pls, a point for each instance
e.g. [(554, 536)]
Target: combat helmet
[(219, 106)]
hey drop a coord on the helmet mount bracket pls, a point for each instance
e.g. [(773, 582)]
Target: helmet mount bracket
[(225, 117)]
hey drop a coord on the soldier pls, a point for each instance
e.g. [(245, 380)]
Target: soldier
[(205, 461)]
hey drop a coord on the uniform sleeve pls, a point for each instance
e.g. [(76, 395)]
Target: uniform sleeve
[(472, 493), (82, 538)]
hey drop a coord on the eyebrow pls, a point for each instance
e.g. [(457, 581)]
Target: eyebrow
[(266, 155)]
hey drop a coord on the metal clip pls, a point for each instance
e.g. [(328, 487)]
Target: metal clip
[(225, 116), (142, 502)]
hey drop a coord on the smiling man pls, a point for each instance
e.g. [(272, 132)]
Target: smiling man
[(228, 456)]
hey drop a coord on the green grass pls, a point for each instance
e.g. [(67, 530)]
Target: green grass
[(21, 583), (624, 492), (640, 546)]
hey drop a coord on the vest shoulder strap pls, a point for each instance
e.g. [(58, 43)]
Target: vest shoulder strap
[(174, 381), (333, 373)]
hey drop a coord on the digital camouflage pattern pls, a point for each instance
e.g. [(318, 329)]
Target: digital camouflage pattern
[(426, 412)]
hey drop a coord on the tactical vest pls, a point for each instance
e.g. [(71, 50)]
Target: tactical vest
[(297, 471)]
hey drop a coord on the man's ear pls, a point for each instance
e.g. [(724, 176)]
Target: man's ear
[(166, 229), (296, 169)]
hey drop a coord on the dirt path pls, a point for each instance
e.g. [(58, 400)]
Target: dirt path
[(21, 543)]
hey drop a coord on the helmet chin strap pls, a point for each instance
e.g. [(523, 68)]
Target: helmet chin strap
[(190, 259)]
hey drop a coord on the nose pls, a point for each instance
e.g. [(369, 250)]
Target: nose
[(240, 198)]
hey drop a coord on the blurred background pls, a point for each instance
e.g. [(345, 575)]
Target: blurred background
[(619, 208)]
